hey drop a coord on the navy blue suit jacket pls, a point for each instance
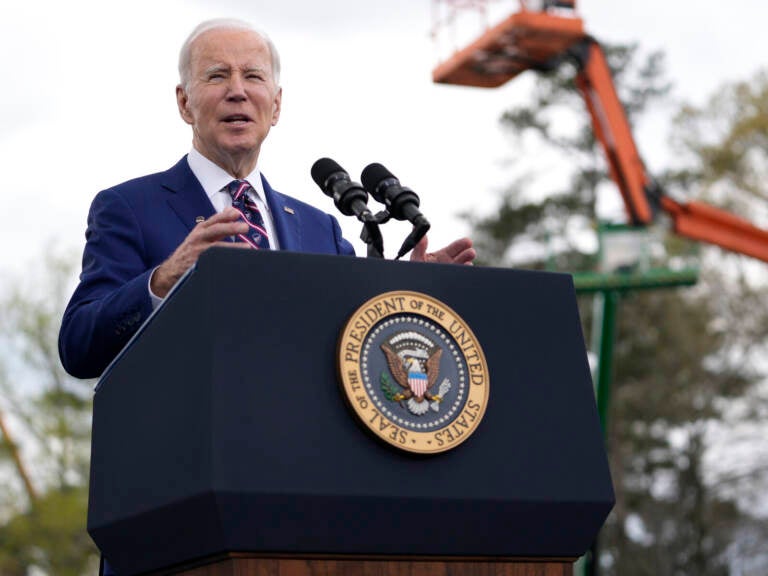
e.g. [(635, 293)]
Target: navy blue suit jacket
[(134, 227)]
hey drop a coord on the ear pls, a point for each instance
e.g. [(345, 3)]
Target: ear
[(182, 99), (276, 103)]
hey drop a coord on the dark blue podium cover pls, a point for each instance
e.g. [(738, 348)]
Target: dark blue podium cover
[(221, 427)]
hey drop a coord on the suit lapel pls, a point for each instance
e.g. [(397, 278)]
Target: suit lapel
[(286, 218), (188, 199)]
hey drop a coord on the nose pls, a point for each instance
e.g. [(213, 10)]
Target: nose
[(236, 88)]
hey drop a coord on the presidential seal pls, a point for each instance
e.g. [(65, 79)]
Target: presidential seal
[(413, 372)]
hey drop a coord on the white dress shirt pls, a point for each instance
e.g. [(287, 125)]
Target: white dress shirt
[(214, 180)]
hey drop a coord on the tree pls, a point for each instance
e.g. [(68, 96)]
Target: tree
[(725, 143), (722, 146), (677, 361), (556, 123), (43, 526)]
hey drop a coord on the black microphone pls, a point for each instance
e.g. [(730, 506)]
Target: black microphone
[(401, 202), (350, 198)]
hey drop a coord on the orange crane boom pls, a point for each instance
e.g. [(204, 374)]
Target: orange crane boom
[(540, 40)]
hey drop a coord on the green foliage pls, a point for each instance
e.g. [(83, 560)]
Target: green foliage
[(42, 525), (557, 120), (726, 141), (682, 357), (555, 96), (666, 395), (50, 536), (387, 389), (533, 223)]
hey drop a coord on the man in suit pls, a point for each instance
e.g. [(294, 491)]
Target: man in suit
[(144, 234)]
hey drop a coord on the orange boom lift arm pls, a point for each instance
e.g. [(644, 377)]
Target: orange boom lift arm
[(542, 39)]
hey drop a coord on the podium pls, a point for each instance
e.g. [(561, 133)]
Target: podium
[(222, 443)]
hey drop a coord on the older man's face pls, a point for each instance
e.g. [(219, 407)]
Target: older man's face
[(232, 100)]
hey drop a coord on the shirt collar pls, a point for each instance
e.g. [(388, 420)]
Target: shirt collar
[(213, 177)]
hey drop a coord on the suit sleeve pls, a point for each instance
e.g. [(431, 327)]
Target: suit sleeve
[(343, 246), (112, 299)]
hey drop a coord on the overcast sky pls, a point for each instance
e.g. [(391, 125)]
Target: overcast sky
[(87, 100)]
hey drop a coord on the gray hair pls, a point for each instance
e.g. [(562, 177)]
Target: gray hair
[(185, 55)]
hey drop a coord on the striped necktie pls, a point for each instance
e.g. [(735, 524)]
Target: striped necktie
[(257, 235)]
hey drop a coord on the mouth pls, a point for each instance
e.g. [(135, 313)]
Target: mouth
[(236, 119)]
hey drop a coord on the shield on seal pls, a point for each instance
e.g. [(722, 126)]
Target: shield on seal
[(417, 381)]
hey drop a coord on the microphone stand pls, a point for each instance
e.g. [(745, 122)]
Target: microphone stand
[(371, 234)]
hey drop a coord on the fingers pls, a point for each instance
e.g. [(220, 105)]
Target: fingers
[(218, 227), (464, 257), (458, 247), (457, 252), (461, 251), (233, 245), (419, 253), (204, 235)]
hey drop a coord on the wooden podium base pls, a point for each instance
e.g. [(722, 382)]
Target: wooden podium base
[(246, 565)]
